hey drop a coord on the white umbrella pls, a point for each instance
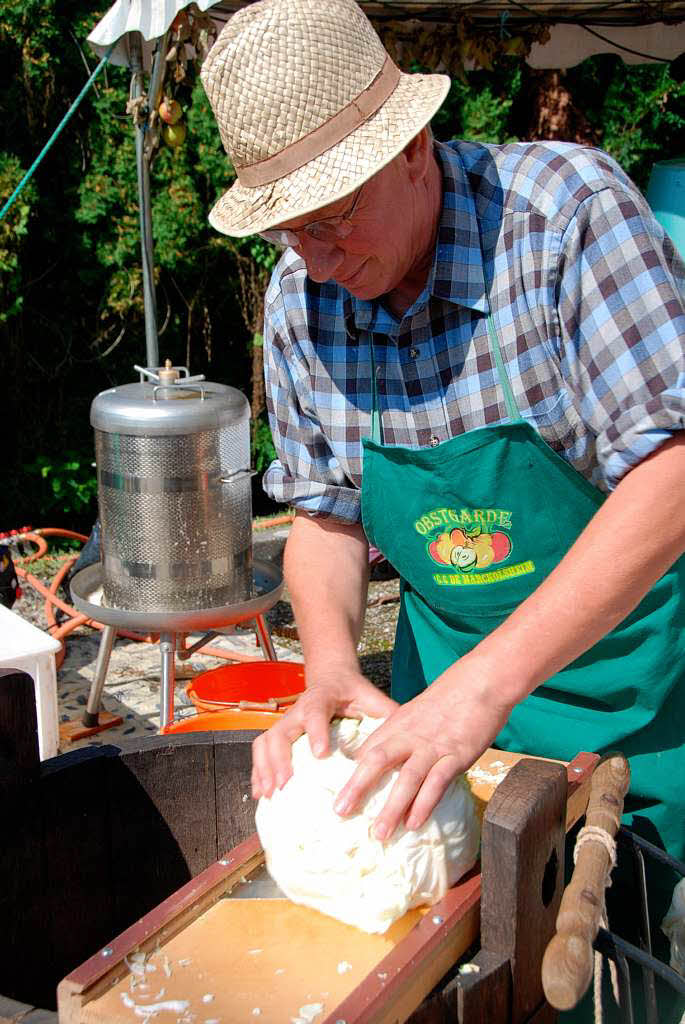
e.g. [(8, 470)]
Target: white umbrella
[(152, 18)]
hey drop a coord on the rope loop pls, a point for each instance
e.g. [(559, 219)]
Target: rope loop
[(595, 834)]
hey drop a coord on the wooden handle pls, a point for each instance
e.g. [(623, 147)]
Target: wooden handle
[(568, 961), (272, 704)]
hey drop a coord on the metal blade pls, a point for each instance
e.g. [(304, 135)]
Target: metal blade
[(259, 885)]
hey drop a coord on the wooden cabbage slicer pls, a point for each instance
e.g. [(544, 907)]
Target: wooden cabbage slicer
[(218, 951)]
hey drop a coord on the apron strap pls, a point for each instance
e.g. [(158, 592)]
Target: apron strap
[(512, 408), (376, 424)]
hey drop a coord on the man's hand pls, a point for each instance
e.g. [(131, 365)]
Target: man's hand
[(340, 694), (431, 739)]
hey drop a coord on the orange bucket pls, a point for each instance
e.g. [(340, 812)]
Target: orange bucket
[(220, 721), (257, 682)]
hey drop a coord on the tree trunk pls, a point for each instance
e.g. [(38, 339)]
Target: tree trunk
[(554, 114), (258, 403)]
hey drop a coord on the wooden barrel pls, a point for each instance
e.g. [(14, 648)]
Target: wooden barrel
[(93, 839)]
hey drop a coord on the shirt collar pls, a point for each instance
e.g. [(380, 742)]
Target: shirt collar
[(457, 270)]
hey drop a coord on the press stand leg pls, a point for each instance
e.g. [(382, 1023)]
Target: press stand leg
[(264, 638), (90, 715), (93, 719), (168, 681)]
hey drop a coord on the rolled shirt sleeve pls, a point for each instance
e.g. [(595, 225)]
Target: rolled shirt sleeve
[(622, 324), (307, 473)]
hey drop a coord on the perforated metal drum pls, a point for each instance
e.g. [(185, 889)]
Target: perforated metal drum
[(175, 495)]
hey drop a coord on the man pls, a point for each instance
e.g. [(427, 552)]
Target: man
[(474, 360)]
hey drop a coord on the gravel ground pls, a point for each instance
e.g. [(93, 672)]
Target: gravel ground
[(132, 684), (375, 648)]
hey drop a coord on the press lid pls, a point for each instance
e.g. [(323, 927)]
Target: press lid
[(166, 404)]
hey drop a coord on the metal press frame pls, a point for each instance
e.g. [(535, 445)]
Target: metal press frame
[(268, 586)]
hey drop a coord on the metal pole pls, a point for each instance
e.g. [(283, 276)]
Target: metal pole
[(166, 691), (90, 715), (264, 638), (143, 170), (158, 69)]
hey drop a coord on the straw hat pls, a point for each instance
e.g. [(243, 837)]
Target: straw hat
[(309, 106)]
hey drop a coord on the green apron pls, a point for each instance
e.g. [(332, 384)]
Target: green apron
[(473, 526)]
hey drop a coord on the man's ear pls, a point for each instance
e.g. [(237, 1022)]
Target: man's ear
[(418, 154)]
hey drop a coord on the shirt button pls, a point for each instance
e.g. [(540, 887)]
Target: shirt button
[(435, 441), (414, 353), (379, 371)]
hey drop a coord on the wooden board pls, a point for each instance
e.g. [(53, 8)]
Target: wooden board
[(216, 959), (74, 730), (493, 766), (282, 957)]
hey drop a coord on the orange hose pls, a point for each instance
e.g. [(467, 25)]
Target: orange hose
[(75, 618), (42, 589), (41, 544), (54, 585), (276, 521), (57, 531)]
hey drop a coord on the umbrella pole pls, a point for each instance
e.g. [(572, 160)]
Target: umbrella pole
[(143, 173)]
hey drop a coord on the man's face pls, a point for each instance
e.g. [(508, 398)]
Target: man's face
[(383, 236)]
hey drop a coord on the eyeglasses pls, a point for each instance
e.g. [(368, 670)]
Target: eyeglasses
[(327, 230)]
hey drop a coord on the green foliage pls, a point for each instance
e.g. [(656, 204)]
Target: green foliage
[(71, 309), (263, 451), (14, 230), (68, 484), (263, 253), (636, 113), (480, 108), (639, 112)]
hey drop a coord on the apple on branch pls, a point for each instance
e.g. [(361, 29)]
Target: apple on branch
[(174, 134), (170, 111)]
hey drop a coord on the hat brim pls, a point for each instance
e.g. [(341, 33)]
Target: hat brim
[(340, 170)]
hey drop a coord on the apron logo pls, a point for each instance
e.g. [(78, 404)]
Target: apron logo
[(470, 549), (475, 542)]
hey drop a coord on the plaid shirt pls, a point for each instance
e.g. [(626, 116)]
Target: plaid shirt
[(588, 300)]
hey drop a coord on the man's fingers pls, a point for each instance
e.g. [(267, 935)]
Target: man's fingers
[(272, 751), (432, 791), (374, 762), (318, 731), (407, 785), (422, 780), (271, 755), (260, 767)]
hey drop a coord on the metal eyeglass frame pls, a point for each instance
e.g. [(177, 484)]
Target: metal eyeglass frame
[(328, 229)]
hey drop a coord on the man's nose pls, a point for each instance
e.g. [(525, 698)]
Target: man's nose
[(322, 258)]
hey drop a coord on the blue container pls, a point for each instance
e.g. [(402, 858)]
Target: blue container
[(666, 196)]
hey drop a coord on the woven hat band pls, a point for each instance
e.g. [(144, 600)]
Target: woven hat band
[(328, 134)]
